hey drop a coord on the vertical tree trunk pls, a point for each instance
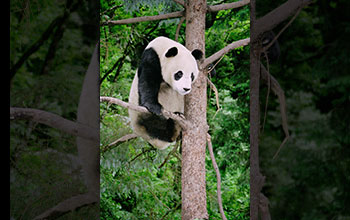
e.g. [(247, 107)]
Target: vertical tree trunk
[(255, 176), (194, 141)]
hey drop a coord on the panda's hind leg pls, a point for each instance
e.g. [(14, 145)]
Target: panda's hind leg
[(159, 127)]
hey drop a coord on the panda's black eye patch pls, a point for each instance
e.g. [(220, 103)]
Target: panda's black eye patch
[(178, 75), (192, 77)]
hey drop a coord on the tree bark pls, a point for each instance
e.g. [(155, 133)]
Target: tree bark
[(194, 140), (255, 176), (88, 114)]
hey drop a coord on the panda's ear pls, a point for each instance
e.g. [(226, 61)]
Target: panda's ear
[(197, 54), (171, 52)]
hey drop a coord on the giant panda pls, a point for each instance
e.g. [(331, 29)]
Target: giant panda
[(165, 74)]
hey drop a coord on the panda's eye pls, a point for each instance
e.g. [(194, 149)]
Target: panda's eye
[(178, 75), (192, 77)]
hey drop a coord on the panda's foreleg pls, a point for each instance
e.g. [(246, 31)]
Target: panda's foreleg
[(150, 78)]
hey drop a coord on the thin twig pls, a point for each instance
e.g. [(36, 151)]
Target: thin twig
[(276, 88), (282, 30), (170, 153), (268, 90), (218, 177), (119, 141), (213, 87), (143, 151), (178, 28)]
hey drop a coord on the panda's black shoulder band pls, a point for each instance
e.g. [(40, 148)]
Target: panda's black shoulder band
[(149, 79)]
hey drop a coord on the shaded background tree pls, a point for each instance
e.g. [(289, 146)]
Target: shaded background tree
[(51, 43), (309, 178)]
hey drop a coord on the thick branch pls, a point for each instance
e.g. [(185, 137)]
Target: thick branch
[(224, 50), (55, 121), (68, 205), (182, 122), (145, 18), (276, 16), (212, 8)]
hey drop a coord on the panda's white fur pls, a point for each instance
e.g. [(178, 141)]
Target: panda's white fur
[(158, 84)]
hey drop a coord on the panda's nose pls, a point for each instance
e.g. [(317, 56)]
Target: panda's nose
[(187, 89)]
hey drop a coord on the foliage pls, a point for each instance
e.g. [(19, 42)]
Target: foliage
[(133, 186)]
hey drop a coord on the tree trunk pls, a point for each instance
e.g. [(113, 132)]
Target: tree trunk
[(255, 176), (194, 141)]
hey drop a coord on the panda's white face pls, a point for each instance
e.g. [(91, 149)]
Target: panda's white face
[(180, 70)]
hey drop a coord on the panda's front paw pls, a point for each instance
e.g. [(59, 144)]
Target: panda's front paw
[(154, 108)]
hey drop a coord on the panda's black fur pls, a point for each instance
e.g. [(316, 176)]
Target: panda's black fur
[(159, 82), (150, 77)]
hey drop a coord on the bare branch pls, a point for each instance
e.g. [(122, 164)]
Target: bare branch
[(182, 121), (213, 87), (224, 50), (121, 140), (143, 152), (281, 31), (276, 16), (123, 104), (212, 8), (145, 18), (55, 121), (276, 88), (68, 205), (218, 177), (178, 28)]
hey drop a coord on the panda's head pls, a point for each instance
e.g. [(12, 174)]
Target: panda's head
[(179, 68)]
